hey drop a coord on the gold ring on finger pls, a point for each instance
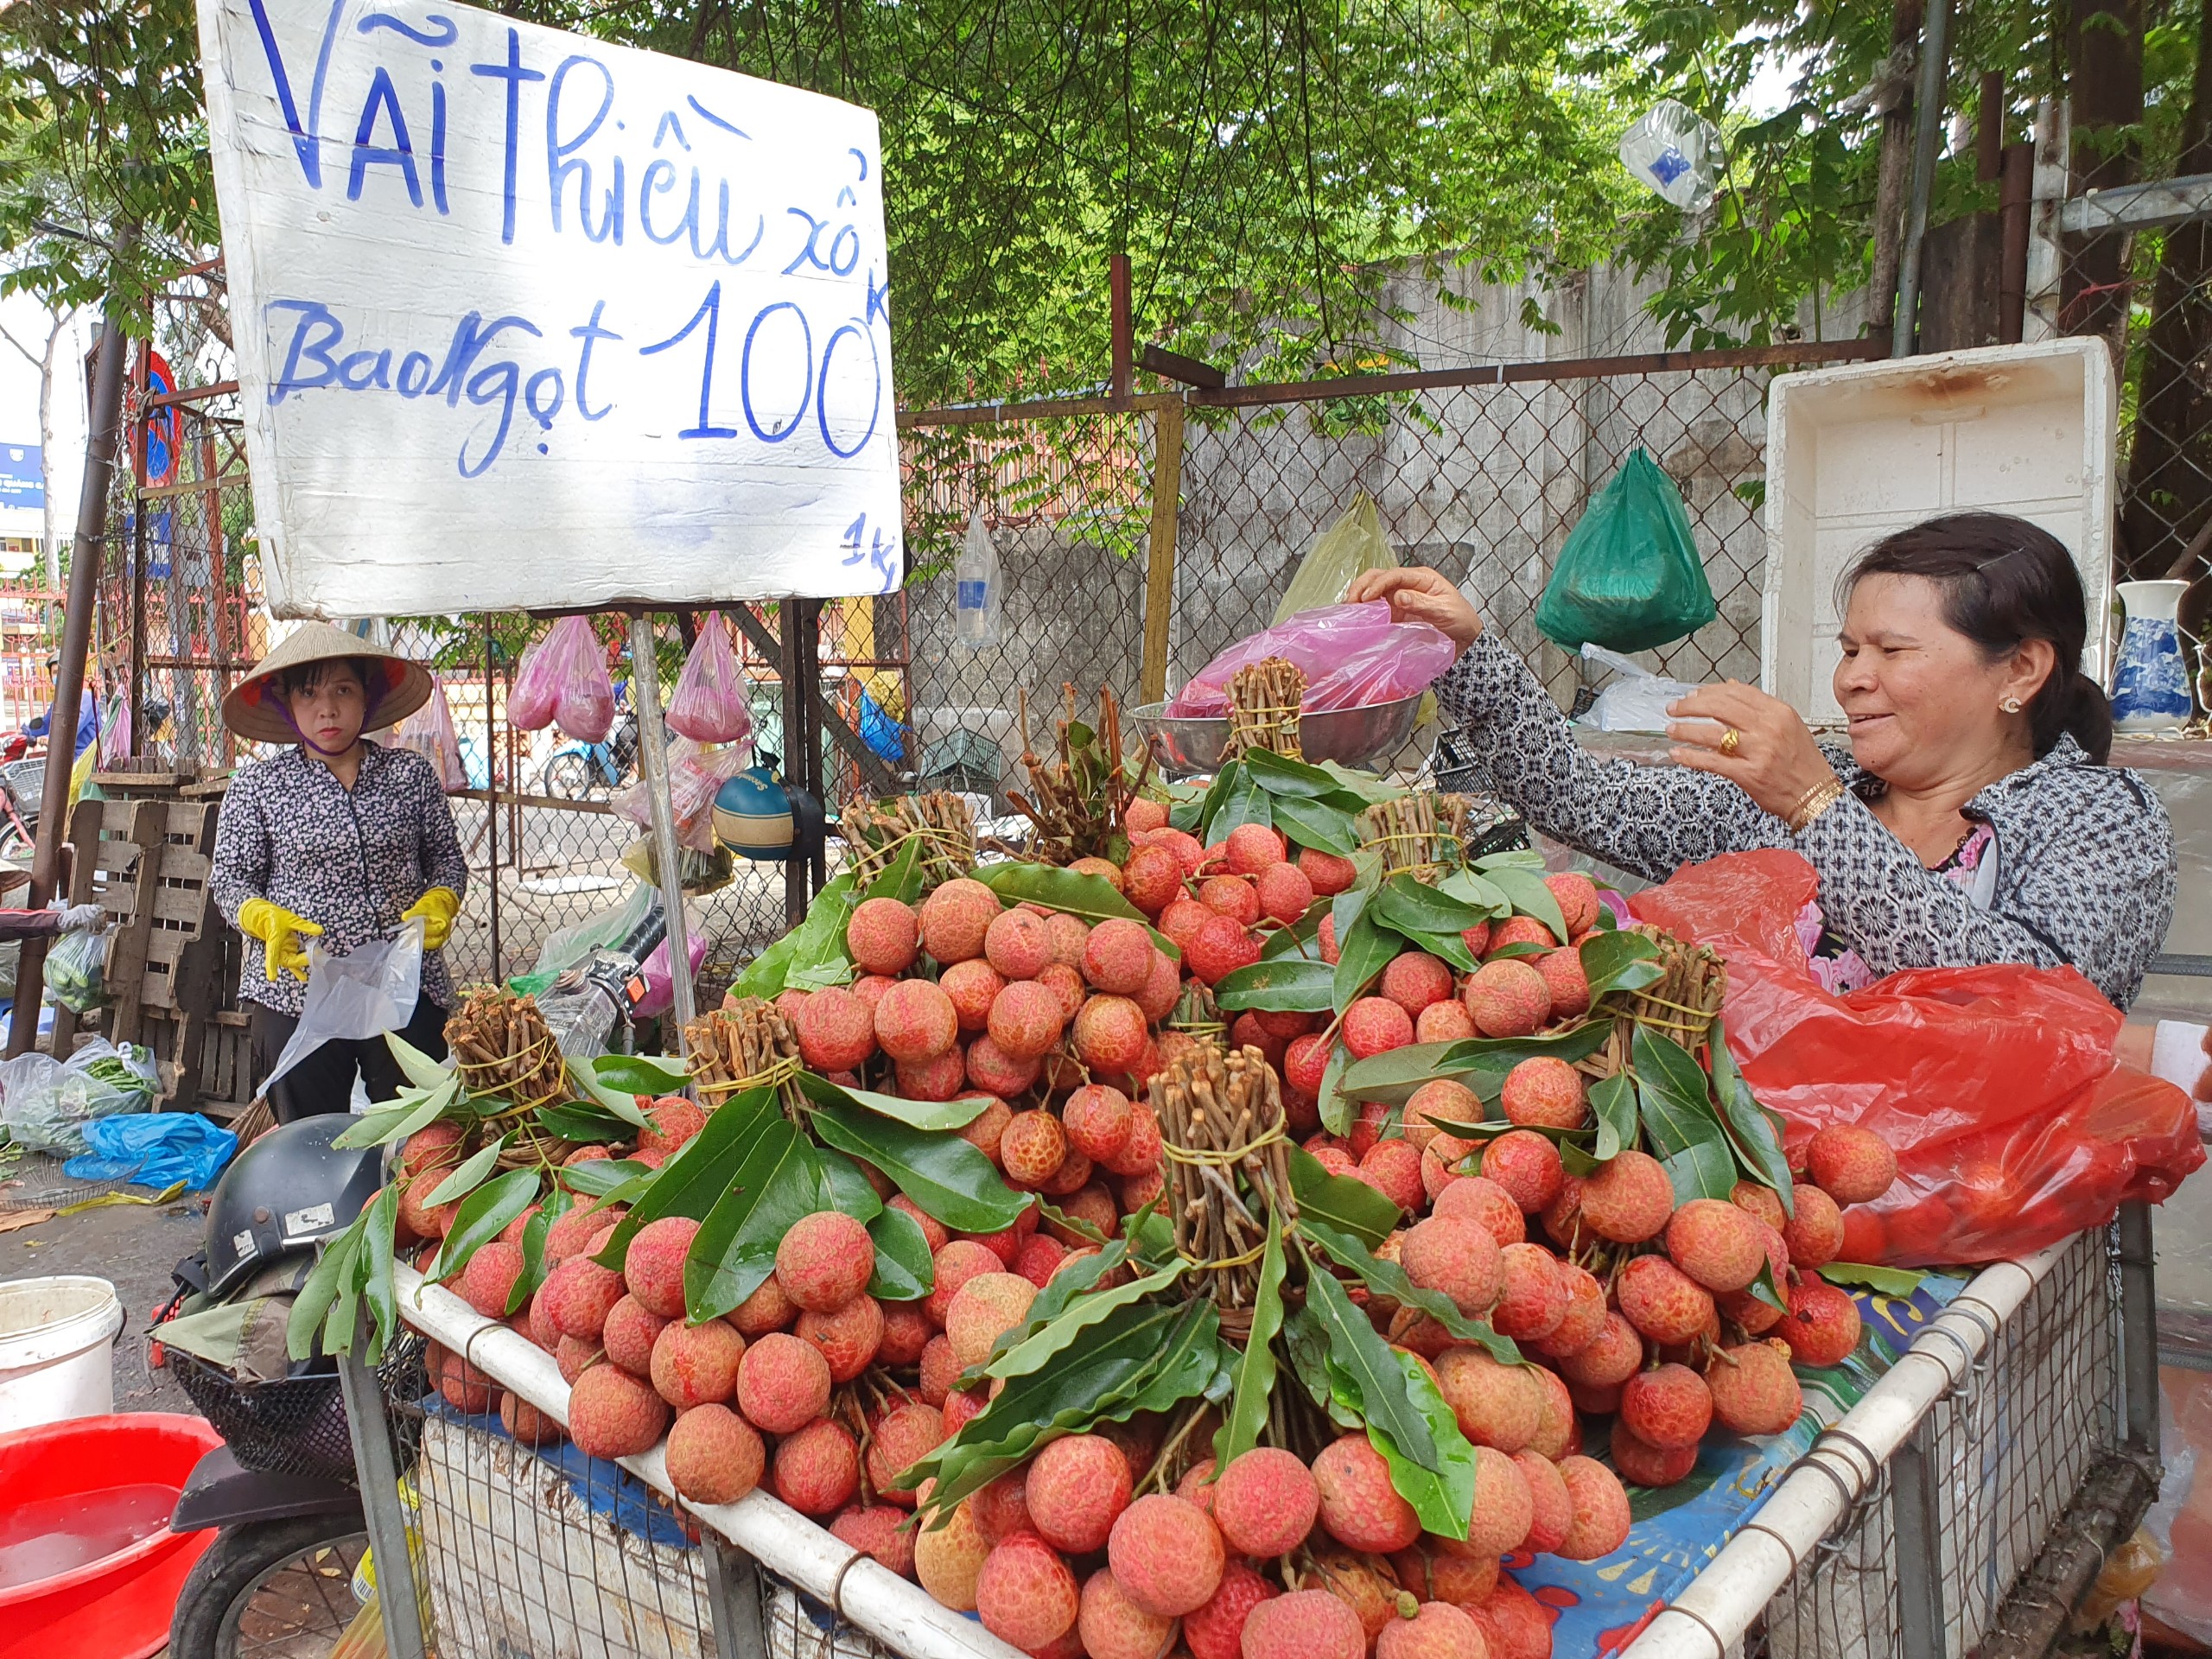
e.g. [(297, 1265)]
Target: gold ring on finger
[(1731, 740)]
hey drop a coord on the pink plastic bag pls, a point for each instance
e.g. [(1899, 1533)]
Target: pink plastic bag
[(1996, 1085), (660, 990), (695, 775), (564, 678), (709, 705), (1352, 656), (428, 731)]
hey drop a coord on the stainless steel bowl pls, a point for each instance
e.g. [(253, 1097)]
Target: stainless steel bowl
[(1185, 745)]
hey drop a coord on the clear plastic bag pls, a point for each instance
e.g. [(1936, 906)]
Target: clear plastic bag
[(562, 680), (976, 586), (1355, 543), (46, 1103), (1996, 1085), (1636, 700), (371, 990), (1352, 656), (1676, 151), (76, 968), (694, 773), (428, 731), (710, 704), (571, 944)]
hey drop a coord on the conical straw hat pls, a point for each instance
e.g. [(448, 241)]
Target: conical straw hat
[(253, 709)]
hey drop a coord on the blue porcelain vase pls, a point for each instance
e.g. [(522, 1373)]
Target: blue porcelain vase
[(2150, 691)]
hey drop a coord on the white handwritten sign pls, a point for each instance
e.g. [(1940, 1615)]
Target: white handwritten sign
[(527, 321)]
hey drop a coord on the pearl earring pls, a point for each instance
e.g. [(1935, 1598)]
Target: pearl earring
[(2009, 705)]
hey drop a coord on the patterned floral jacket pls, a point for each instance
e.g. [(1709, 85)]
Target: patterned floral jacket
[(347, 860), (2084, 855)]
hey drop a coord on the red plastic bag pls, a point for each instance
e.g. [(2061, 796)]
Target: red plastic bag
[(1352, 656), (709, 705), (2013, 1125), (562, 679)]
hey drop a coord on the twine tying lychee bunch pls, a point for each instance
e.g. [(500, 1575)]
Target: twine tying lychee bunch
[(1264, 702), (1221, 1117), (877, 831), (503, 1049), (745, 1044), (1417, 834)]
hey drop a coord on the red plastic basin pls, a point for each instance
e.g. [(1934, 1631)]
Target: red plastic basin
[(95, 1473)]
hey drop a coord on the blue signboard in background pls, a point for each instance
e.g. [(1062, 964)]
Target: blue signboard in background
[(23, 476)]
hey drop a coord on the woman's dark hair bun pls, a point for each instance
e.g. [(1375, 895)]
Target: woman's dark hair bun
[(2006, 581)]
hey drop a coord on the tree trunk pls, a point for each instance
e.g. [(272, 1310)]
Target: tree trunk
[(2106, 57), (1894, 170), (2169, 485)]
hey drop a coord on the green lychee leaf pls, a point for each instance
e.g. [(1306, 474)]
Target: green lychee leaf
[(1283, 984), (695, 1178), (776, 1180), (1389, 1279), (1444, 1496), (1359, 1357), (1255, 1370), (1351, 1207), (904, 1272), (947, 1178)]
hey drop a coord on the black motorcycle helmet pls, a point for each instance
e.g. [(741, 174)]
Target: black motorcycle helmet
[(282, 1194)]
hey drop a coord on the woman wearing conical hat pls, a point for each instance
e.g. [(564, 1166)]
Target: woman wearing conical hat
[(336, 839)]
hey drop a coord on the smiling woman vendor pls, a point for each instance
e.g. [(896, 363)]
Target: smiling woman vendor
[(335, 839), (1973, 818)]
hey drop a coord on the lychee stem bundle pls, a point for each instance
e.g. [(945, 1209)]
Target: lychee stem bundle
[(1079, 798), (1417, 834), (877, 832), (1264, 703), (745, 1045), (502, 1047), (1221, 1117)]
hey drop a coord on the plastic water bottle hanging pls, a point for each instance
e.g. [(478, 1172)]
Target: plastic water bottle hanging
[(976, 586)]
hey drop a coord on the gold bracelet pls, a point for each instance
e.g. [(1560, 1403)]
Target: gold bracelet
[(1814, 802)]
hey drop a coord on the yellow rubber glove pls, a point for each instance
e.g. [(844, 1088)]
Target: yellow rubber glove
[(437, 907), (280, 933)]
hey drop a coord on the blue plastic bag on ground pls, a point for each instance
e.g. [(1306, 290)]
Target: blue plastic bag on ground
[(154, 1149)]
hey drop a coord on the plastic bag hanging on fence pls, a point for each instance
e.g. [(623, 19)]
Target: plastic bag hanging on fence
[(76, 967), (1355, 543), (1996, 1085), (976, 586), (1676, 151), (562, 678), (1628, 577), (710, 705), (365, 993), (428, 731), (694, 773)]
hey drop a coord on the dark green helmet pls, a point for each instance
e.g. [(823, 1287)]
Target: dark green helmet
[(287, 1190)]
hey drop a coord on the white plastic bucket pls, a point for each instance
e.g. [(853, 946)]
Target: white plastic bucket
[(54, 1339)]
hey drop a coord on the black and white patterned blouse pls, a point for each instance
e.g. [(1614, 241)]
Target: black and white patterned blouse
[(348, 860), (2084, 855)]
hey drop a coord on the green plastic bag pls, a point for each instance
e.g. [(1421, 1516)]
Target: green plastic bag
[(1629, 577), (1355, 543)]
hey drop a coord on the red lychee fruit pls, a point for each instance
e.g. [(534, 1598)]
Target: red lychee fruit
[(1437, 1630), (1639, 1463), (579, 1294), (1662, 1301), (1306, 1062), (714, 1455), (1393, 1169), (1762, 1203), (915, 1020), (1304, 1625), (1112, 1626), (1359, 1506), (1024, 1595), (1668, 1406), (1075, 1489), (1455, 1255), (954, 919), (1585, 1315), (883, 937), (612, 1414), (490, 1277), (903, 1437), (1557, 1431), (1628, 1200), (949, 1555), (1216, 1629), (1413, 979), (1502, 1506), (1444, 1022), (1532, 1297), (1601, 1516), (1579, 903), (696, 1365), (878, 1531), (1551, 1510), (1564, 976), (1545, 1091), (675, 1121), (824, 1261), (1851, 1165), (1144, 814), (1754, 1391), (1508, 998), (1375, 1025), (1018, 944), (1284, 893), (1497, 1404), (1253, 847), (1717, 1243), (1265, 1502), (1329, 873), (1117, 957), (817, 1468), (1527, 1166), (1823, 1324), (848, 1339), (1167, 1554), (1109, 1034), (1815, 1233), (1153, 878), (1610, 1358), (782, 1383)]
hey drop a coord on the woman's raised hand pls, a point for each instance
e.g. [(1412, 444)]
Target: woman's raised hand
[(1756, 741), (1417, 593)]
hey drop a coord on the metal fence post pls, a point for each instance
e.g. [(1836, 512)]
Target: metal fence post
[(733, 1600), (379, 1474), (1159, 571), (1916, 1526), (2139, 1331)]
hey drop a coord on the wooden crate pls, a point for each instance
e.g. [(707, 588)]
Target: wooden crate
[(147, 863)]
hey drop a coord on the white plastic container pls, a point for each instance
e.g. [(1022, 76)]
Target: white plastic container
[(1858, 451), (56, 1336)]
